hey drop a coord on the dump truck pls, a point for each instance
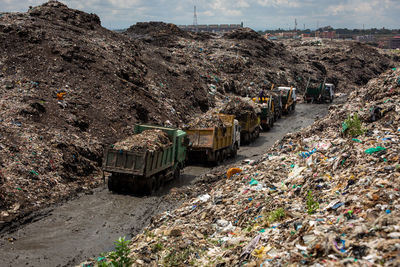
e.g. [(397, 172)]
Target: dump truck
[(214, 144), (319, 94), (249, 128), (288, 97), (267, 114), (145, 171)]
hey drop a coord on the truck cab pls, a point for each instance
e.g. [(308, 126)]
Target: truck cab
[(330, 91), (288, 97)]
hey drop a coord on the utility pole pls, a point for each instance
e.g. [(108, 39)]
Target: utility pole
[(195, 19), (295, 25)]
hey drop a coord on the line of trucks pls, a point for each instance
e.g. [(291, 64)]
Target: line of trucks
[(145, 171)]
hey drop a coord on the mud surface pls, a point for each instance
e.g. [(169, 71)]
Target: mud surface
[(86, 226)]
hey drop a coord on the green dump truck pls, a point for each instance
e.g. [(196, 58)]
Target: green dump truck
[(319, 94), (214, 144), (145, 171), (288, 98)]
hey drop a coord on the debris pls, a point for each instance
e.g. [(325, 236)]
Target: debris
[(150, 140)]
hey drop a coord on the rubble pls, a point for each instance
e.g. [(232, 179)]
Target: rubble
[(338, 205), (149, 140)]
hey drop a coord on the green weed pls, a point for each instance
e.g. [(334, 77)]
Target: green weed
[(353, 126), (119, 257), (157, 247), (177, 257), (312, 205), (276, 215)]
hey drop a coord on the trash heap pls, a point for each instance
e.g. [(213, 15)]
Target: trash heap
[(149, 140), (241, 108), (207, 120), (318, 197)]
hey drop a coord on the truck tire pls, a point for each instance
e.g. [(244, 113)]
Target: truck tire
[(150, 186), (110, 183), (218, 157), (177, 173), (234, 151)]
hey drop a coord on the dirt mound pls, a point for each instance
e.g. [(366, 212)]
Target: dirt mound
[(156, 28), (150, 140), (67, 86), (54, 10), (346, 64), (158, 33), (243, 34)]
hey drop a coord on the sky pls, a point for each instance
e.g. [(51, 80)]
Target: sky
[(256, 14)]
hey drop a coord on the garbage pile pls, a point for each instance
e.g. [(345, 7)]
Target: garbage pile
[(346, 64), (322, 196), (149, 140), (209, 119), (241, 108), (92, 85)]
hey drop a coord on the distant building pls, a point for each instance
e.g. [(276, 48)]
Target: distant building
[(395, 42), (365, 38), (211, 28), (287, 35), (326, 34)]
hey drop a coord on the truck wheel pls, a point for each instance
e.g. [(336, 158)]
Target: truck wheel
[(150, 186), (234, 152), (158, 182), (110, 183), (223, 156), (218, 157), (177, 173)]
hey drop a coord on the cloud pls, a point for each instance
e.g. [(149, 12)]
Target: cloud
[(279, 3)]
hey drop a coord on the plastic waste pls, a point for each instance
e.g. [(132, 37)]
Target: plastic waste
[(373, 150)]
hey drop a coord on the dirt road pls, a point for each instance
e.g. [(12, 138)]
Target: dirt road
[(86, 226)]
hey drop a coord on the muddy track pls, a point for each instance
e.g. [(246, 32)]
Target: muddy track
[(69, 233)]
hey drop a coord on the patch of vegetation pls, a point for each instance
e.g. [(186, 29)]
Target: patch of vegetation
[(312, 205), (117, 258), (157, 247), (177, 257), (353, 126), (149, 233), (276, 215)]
